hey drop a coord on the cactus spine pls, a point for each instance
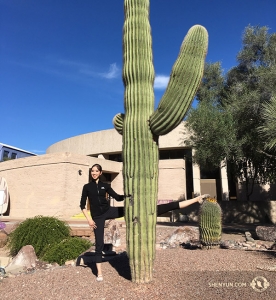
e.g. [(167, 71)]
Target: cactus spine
[(210, 224), (141, 126)]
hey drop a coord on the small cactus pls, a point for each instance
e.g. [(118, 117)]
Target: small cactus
[(210, 223)]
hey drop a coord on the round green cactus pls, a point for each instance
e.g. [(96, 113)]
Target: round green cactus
[(210, 227)]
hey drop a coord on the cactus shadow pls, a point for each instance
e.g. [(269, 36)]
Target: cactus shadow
[(88, 260), (121, 264)]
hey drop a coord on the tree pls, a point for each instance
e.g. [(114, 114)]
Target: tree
[(268, 129), (227, 121), (212, 85)]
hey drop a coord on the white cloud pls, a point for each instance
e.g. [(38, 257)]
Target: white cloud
[(112, 73), (161, 82), (70, 70)]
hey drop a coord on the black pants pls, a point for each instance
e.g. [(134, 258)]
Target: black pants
[(118, 212)]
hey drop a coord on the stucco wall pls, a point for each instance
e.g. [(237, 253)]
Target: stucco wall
[(111, 142), (172, 179), (51, 184), (45, 185)]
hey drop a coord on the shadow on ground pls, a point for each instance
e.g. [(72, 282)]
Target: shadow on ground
[(119, 262)]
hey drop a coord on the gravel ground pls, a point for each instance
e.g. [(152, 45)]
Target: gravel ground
[(178, 274)]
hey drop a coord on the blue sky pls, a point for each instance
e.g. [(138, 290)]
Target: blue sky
[(61, 60)]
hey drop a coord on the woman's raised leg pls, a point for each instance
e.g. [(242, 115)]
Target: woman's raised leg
[(163, 208)]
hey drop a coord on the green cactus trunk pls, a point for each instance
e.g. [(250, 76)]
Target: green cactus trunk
[(210, 227), (141, 126), (140, 149)]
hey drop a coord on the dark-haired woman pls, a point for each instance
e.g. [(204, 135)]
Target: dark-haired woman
[(100, 210)]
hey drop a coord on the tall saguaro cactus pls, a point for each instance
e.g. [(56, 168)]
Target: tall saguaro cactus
[(141, 126)]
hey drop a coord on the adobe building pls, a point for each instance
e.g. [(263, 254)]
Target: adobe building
[(175, 163), (51, 184)]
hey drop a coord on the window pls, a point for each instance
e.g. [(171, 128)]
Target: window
[(13, 155), (115, 157), (5, 154), (173, 154)]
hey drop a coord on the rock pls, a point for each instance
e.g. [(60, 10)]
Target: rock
[(15, 269), (266, 233), (70, 263), (268, 268), (238, 245), (25, 259), (3, 238), (183, 218), (183, 235), (225, 244), (248, 236), (2, 271), (273, 247), (112, 233)]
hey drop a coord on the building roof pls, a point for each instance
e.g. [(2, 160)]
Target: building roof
[(15, 148), (110, 141)]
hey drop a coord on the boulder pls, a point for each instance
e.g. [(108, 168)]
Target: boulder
[(25, 259), (112, 233), (266, 233), (183, 235)]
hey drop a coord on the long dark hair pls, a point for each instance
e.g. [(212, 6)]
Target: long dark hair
[(99, 167)]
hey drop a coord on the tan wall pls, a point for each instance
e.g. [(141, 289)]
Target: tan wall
[(48, 184), (51, 184), (45, 185), (172, 179)]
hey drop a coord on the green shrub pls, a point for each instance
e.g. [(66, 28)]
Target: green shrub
[(39, 232), (67, 249)]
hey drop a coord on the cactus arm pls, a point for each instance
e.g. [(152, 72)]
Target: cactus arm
[(184, 81), (118, 122)]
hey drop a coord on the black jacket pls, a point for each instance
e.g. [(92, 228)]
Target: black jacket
[(96, 194)]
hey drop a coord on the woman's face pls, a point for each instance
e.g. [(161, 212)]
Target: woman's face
[(95, 173)]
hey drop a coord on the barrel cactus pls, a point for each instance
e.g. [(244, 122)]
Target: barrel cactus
[(140, 125), (210, 223)]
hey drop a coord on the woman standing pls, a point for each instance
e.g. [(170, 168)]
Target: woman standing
[(100, 209)]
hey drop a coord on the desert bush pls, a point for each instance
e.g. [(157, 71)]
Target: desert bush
[(67, 249), (39, 232)]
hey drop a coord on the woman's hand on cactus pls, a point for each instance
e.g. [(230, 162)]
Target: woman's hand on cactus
[(202, 198)]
